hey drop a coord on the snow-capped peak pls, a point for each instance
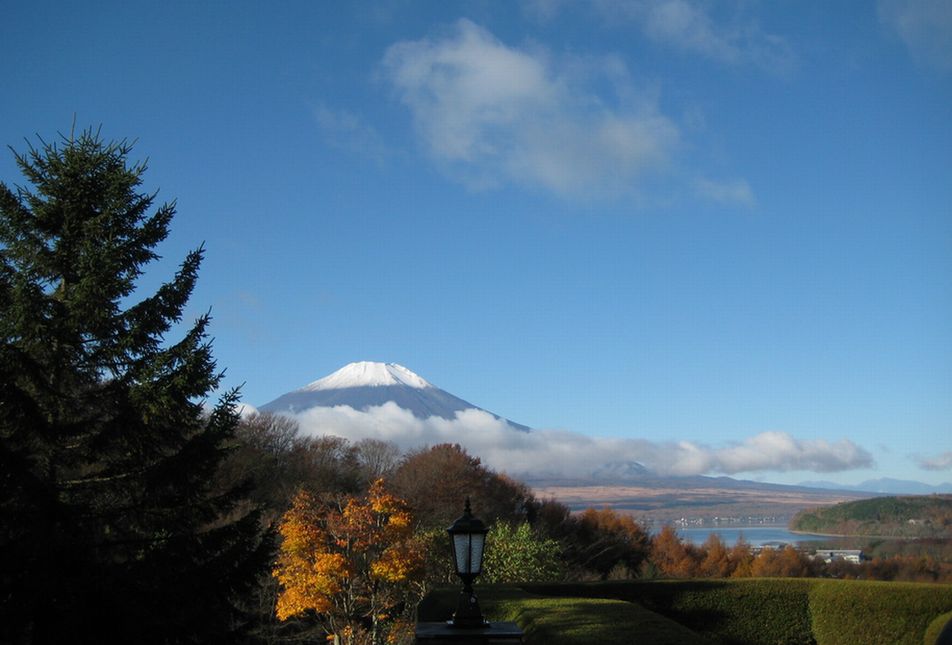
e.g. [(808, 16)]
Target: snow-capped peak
[(368, 374)]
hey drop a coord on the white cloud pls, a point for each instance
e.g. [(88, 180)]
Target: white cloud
[(493, 114), (735, 192), (939, 462), (246, 410), (564, 453), (925, 26), (689, 26)]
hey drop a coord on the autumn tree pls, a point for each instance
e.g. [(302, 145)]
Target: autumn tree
[(716, 562), (436, 480), (741, 559), (670, 556), (376, 459), (787, 562), (270, 450), (351, 565), (115, 524), (766, 563), (602, 540)]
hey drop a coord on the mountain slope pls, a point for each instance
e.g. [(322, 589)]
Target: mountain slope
[(367, 384), (885, 485)]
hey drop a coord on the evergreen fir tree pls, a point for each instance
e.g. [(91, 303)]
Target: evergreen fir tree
[(113, 525)]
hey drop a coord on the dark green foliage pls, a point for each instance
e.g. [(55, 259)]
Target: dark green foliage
[(867, 612), (921, 516), (115, 523), (519, 554)]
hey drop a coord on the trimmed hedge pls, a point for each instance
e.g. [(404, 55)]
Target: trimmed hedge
[(863, 612), (934, 630)]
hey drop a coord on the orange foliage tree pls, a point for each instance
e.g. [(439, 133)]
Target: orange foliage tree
[(602, 540), (671, 557), (741, 560), (716, 562), (782, 563), (352, 565)]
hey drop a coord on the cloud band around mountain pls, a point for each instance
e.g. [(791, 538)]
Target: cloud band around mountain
[(570, 454)]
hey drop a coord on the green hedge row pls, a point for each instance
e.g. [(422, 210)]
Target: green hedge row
[(732, 612), (935, 629), (846, 612)]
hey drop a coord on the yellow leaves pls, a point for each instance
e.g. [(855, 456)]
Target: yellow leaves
[(400, 520), (334, 556), (400, 632), (398, 562), (300, 527)]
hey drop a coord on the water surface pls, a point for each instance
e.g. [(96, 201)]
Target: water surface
[(753, 535)]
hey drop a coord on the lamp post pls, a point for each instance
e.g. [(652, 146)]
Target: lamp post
[(468, 535)]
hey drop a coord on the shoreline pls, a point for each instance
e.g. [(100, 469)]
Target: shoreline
[(850, 535)]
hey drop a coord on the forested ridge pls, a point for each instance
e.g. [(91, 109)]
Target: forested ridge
[(922, 516)]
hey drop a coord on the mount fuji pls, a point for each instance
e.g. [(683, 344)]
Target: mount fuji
[(366, 384)]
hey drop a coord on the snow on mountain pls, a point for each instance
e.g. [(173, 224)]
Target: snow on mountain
[(366, 384), (367, 374)]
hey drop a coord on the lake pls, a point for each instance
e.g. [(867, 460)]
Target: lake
[(753, 535)]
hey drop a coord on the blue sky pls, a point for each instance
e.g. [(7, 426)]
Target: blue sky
[(658, 220)]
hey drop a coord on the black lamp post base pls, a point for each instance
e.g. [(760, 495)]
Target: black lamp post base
[(446, 634), (468, 614)]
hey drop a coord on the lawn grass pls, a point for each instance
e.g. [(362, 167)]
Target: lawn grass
[(567, 621), (788, 611), (731, 612)]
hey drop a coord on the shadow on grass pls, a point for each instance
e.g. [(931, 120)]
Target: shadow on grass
[(729, 612), (567, 620)]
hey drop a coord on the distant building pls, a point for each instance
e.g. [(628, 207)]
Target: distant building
[(847, 555), (774, 545)]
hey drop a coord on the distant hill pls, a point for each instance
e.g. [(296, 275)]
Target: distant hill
[(922, 516), (885, 486)]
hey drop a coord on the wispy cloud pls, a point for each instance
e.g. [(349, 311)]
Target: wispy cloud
[(564, 453), (939, 462), (735, 192), (346, 131), (493, 114), (925, 26), (690, 27)]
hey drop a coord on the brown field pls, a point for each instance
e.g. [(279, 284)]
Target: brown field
[(657, 504)]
